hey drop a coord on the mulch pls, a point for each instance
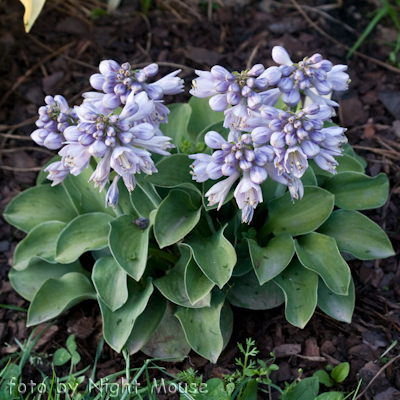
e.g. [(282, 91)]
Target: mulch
[(65, 47)]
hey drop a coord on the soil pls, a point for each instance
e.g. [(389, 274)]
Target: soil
[(65, 47)]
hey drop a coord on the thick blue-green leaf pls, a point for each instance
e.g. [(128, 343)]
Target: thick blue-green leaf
[(173, 284), (320, 254), (309, 178), (168, 340), (330, 396), (355, 191), (271, 260), (300, 287), (144, 198), (348, 150), (357, 234), (303, 216), (147, 322), (339, 307), (215, 256), (246, 292), (85, 197), (172, 171), (28, 281), (244, 263), (202, 327), (110, 282), (202, 116), (129, 245), (84, 233), (178, 120), (39, 204), (175, 218), (117, 325), (306, 389), (124, 200), (40, 243), (58, 295)]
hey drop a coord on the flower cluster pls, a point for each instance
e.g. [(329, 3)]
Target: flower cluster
[(121, 138), (263, 140)]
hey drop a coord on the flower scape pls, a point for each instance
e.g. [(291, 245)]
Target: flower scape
[(226, 200)]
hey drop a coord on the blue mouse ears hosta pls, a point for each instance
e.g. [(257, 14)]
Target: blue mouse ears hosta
[(229, 203)]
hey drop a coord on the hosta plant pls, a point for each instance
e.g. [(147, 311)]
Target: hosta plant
[(243, 198)]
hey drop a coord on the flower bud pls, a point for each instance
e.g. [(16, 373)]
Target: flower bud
[(151, 70)]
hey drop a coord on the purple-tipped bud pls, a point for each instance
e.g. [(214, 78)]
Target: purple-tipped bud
[(245, 165), (256, 70), (37, 138), (226, 146), (214, 140), (246, 138), (128, 111), (221, 86), (62, 117), (219, 72), (276, 125), (291, 98), (111, 131), (251, 82), (136, 87), (258, 174), (218, 156), (108, 87), (261, 135), (234, 88), (238, 155), (305, 84), (218, 102), (254, 101), (269, 113), (233, 98), (90, 129), (326, 65), (40, 124), (246, 91), (44, 118), (141, 76), (318, 124), (286, 70), (42, 110), (62, 126), (114, 119), (288, 128), (125, 137), (127, 82), (119, 89), (299, 75), (291, 139), (51, 126), (285, 85), (278, 140), (317, 136), (151, 70), (53, 141), (155, 92), (230, 159), (143, 131), (273, 74), (64, 107), (312, 109), (100, 126), (308, 126), (98, 149), (86, 140), (110, 141), (126, 66), (249, 155), (50, 101), (309, 148), (111, 101), (316, 58), (110, 77), (228, 170), (261, 83), (113, 193), (324, 87), (264, 155), (281, 56), (97, 81), (124, 125), (72, 134), (214, 170), (301, 133), (320, 74)]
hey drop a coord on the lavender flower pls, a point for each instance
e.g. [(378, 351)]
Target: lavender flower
[(310, 72), (119, 81)]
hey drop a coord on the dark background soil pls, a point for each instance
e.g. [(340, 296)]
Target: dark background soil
[(178, 31)]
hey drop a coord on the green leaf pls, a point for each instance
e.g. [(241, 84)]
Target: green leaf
[(144, 198), (338, 307), (269, 191), (71, 344), (246, 292), (348, 150), (32, 11), (346, 163), (97, 254), (124, 199), (39, 204), (324, 378), (341, 372), (306, 389), (173, 285), (320, 254), (244, 263), (129, 245), (175, 218), (168, 341), (117, 325), (109, 279), (178, 120), (84, 233), (40, 243), (75, 357), (309, 178), (330, 396), (61, 357), (355, 191), (172, 171), (58, 295), (226, 323), (202, 116), (303, 216), (202, 327), (250, 391), (271, 260), (357, 234), (300, 287), (213, 389), (215, 256), (28, 281), (85, 197), (147, 322)]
